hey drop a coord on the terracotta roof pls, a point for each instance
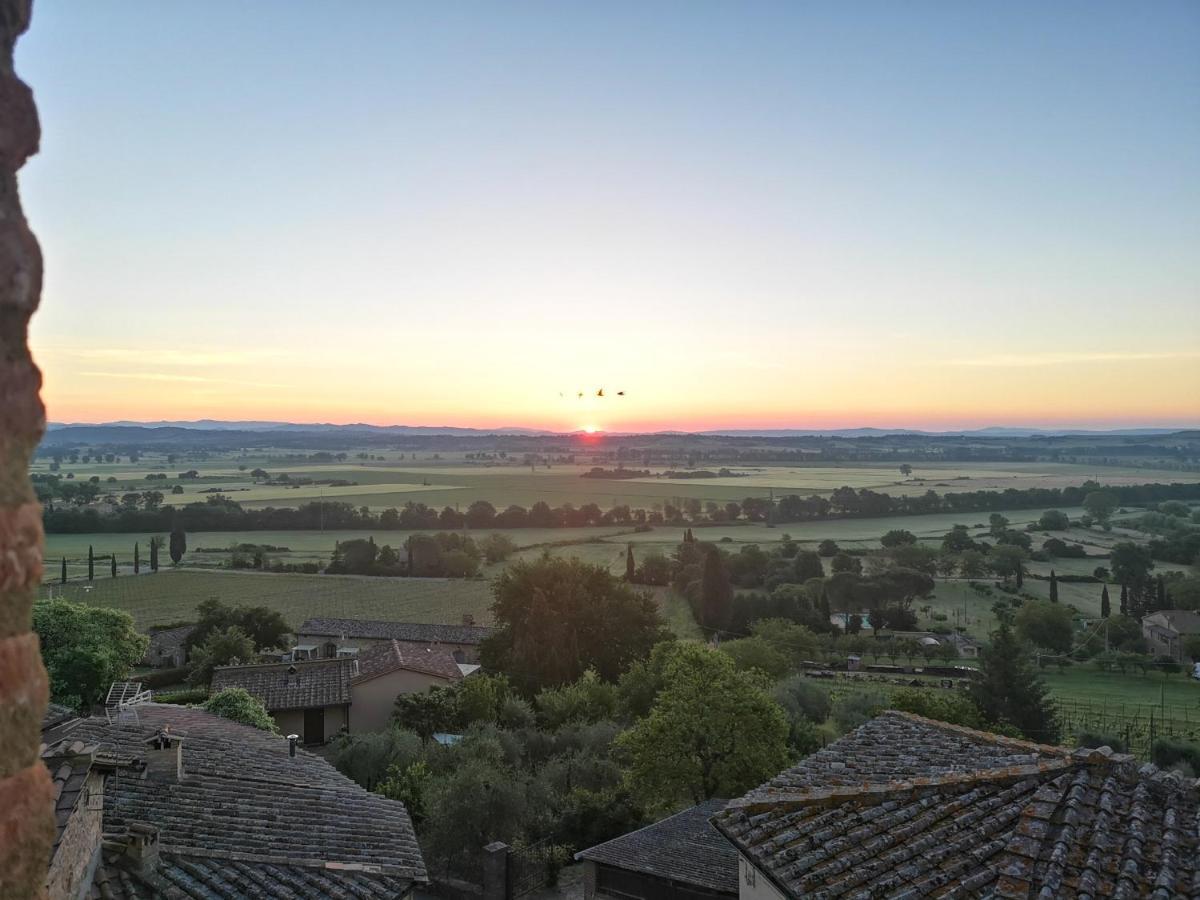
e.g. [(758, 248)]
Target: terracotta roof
[(300, 685), (418, 632), (379, 659), (246, 814), (909, 807), (683, 848)]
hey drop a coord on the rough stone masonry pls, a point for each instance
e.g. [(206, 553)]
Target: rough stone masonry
[(26, 795)]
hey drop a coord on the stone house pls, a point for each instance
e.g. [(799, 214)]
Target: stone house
[(319, 698), (327, 637), (1165, 630), (166, 647), (179, 802)]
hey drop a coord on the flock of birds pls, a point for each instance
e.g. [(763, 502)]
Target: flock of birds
[(599, 393)]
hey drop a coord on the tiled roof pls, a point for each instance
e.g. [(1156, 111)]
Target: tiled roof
[(909, 807), (56, 714), (418, 632), (1183, 621), (683, 848), (69, 763), (379, 659), (247, 810), (300, 685), (176, 877)]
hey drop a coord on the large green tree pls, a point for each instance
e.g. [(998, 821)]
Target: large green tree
[(716, 592), (1131, 564), (220, 648), (556, 618), (1100, 505), (1009, 690), (712, 732), (85, 649), (1046, 624)]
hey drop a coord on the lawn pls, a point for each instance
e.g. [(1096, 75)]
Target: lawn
[(171, 596)]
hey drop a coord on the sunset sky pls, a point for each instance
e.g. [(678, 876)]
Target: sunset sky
[(796, 215)]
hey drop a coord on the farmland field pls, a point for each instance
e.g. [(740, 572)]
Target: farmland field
[(457, 481), (171, 596)]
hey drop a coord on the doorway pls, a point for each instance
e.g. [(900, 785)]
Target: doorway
[(314, 726)]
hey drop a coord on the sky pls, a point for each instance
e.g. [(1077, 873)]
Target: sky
[(744, 215)]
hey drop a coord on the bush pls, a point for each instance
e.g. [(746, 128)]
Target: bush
[(161, 678), (238, 705), (800, 697), (1173, 753), (851, 710), (182, 697)]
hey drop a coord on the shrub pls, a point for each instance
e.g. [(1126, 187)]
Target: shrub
[(854, 709), (1093, 739), (1173, 753), (238, 705)]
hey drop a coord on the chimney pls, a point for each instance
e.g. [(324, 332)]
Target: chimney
[(164, 756), (142, 846), (292, 738)]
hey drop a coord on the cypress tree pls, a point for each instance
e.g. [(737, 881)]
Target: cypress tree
[(1010, 691), (91, 563), (64, 570), (153, 554), (630, 568), (137, 563), (178, 545), (1161, 593), (1105, 604), (1124, 599), (113, 560), (1053, 587), (1020, 575), (716, 593)]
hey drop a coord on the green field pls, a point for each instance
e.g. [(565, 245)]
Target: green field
[(451, 479), (171, 596)]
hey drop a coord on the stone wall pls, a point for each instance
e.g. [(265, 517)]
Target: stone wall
[(26, 797), (78, 852)]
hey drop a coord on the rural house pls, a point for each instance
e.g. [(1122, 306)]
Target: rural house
[(909, 807), (328, 637), (682, 857), (317, 699), (178, 802), (1165, 630), (166, 647)]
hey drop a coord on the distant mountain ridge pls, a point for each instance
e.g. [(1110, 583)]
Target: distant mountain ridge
[(361, 428)]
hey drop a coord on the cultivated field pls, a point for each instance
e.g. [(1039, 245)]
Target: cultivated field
[(172, 596), (450, 479)]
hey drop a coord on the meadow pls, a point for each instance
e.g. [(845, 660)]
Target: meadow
[(171, 596), (451, 479)]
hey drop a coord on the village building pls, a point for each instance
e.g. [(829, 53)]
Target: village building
[(172, 801), (682, 857), (325, 638), (166, 648), (319, 698), (1166, 629), (909, 807)]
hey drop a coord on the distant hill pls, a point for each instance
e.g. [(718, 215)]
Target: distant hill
[(998, 431)]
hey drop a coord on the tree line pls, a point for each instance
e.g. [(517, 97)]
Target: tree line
[(220, 513)]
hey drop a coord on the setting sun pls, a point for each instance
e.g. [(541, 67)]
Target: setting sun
[(590, 429)]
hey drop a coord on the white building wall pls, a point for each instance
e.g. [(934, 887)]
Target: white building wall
[(753, 884)]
